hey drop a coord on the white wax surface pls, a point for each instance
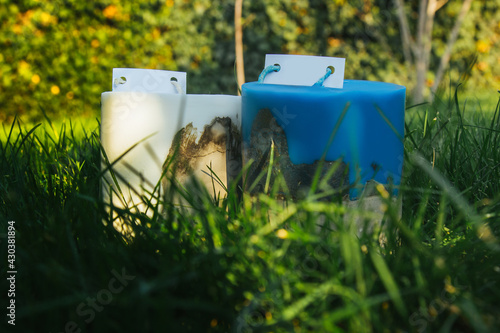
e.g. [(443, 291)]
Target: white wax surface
[(152, 120)]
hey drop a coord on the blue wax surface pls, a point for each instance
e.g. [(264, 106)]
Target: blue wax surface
[(308, 115)]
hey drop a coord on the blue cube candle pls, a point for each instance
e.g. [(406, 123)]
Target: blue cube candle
[(300, 121)]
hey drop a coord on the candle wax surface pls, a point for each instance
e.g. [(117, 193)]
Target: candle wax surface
[(142, 127), (369, 138)]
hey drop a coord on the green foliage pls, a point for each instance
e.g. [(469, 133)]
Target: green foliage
[(252, 264), (58, 55), (480, 32)]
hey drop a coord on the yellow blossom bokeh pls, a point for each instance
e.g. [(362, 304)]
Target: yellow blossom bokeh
[(55, 90), (483, 46), (110, 12), (35, 79), (282, 233)]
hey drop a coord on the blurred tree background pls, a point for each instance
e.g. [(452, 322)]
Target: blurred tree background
[(58, 56)]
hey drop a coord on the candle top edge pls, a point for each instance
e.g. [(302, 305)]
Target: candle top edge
[(169, 94), (349, 85)]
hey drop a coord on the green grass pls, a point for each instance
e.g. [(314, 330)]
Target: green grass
[(78, 129), (250, 264), (480, 101)]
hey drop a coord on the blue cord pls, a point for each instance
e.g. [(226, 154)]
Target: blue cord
[(322, 80), (276, 68), (267, 70)]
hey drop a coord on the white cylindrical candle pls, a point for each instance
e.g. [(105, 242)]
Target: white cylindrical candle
[(138, 131)]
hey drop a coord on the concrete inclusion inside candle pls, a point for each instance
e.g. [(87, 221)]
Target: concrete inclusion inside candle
[(367, 119), (214, 157), (268, 136)]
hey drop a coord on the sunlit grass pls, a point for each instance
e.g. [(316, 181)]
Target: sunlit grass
[(80, 127), (250, 263)]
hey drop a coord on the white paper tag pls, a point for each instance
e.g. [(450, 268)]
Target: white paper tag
[(302, 70), (148, 80)]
